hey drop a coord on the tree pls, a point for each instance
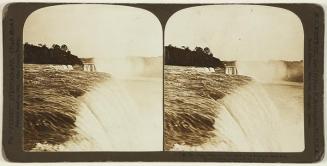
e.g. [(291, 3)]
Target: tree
[(207, 50), (64, 47), (198, 49), (184, 57), (55, 46), (44, 55)]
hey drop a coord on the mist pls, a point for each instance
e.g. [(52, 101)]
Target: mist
[(129, 67), (272, 71)]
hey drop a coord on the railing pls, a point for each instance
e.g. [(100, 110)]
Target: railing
[(231, 70), (89, 67)]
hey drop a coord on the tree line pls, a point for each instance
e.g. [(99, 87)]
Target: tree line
[(199, 57), (56, 54)]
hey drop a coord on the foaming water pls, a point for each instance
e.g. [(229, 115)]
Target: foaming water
[(202, 69), (61, 67), (253, 118), (249, 121), (112, 119)]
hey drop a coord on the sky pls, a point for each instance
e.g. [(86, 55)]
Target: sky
[(238, 32), (98, 31), (232, 32)]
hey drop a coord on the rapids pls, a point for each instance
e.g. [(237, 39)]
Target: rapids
[(115, 116), (253, 117)]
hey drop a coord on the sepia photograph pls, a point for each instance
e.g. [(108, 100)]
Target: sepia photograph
[(163, 82), (233, 80), (93, 79)]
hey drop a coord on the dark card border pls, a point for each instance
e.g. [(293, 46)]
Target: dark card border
[(14, 16)]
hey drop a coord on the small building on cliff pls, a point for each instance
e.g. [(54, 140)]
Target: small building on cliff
[(230, 67), (88, 64)]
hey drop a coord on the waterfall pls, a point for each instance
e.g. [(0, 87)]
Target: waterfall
[(253, 118), (249, 121), (111, 120)]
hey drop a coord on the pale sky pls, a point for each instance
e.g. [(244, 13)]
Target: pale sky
[(98, 31), (239, 32)]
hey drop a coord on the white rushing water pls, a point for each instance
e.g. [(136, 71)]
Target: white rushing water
[(124, 113), (203, 69), (249, 120), (117, 116), (114, 118), (62, 67), (253, 119)]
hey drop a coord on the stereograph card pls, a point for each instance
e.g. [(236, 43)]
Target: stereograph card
[(163, 82)]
